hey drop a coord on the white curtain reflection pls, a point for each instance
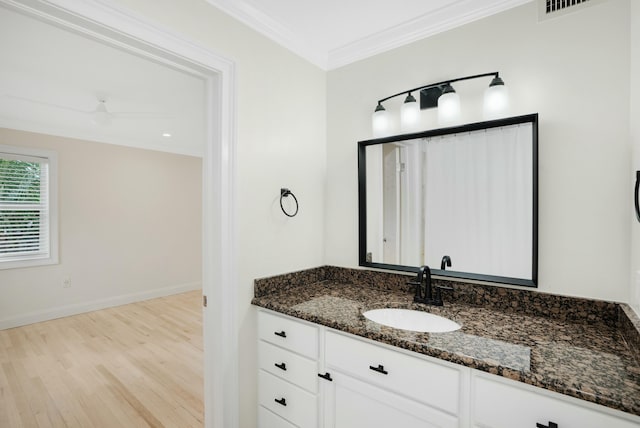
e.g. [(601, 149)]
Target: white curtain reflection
[(476, 212)]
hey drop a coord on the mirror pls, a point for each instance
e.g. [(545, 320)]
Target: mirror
[(467, 192)]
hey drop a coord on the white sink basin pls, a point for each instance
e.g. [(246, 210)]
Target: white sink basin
[(407, 319)]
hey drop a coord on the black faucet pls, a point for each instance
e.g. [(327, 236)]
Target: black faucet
[(446, 261), (424, 294)]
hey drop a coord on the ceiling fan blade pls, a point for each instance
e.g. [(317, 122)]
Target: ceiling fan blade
[(48, 104)]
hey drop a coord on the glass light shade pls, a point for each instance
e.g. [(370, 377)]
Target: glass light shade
[(380, 122), (410, 116), (100, 115), (448, 109), (101, 118), (496, 102)]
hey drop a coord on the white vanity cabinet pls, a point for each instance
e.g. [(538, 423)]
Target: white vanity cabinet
[(288, 372), (497, 402), (375, 386)]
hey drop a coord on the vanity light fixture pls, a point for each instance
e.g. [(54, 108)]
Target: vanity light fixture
[(448, 106), (496, 99), (443, 96), (166, 135), (410, 114), (380, 121)]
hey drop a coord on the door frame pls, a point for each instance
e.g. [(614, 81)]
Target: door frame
[(125, 29)]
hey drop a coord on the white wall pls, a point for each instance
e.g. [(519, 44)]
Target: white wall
[(635, 141), (281, 142), (129, 224), (573, 71)]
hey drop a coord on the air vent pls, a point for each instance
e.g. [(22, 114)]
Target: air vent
[(552, 8), (557, 5)]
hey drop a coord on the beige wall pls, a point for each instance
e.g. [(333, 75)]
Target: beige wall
[(129, 224), (573, 71), (635, 141)]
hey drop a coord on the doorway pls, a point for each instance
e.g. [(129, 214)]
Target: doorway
[(118, 27)]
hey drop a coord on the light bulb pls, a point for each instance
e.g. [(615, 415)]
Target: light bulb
[(409, 114), (496, 100), (101, 118), (448, 107), (380, 122)]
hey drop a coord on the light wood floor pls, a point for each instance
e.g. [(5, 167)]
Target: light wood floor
[(138, 365)]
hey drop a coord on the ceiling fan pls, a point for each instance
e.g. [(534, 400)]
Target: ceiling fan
[(100, 115)]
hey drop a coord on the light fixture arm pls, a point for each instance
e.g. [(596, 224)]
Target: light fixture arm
[(434, 85)]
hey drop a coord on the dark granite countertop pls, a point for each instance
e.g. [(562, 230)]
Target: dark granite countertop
[(587, 358)]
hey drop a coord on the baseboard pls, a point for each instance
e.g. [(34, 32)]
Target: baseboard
[(79, 308)]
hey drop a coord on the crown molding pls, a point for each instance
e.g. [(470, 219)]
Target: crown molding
[(438, 21), (272, 29), (454, 15)]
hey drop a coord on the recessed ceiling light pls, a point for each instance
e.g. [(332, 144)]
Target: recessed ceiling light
[(166, 135)]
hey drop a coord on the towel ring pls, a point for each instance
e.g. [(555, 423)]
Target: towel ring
[(283, 194), (636, 195)]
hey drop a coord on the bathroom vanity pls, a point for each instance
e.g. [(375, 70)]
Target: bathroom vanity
[(521, 359)]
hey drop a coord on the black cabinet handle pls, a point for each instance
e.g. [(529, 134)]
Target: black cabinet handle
[(281, 366), (281, 401), (326, 376), (280, 333), (551, 425), (379, 369), (636, 195)]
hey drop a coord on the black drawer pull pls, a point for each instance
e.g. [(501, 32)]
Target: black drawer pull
[(281, 401), (326, 376), (281, 366), (280, 333), (551, 425), (380, 369)]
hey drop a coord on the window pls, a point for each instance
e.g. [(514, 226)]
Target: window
[(28, 220)]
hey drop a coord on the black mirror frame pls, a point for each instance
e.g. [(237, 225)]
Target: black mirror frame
[(362, 200)]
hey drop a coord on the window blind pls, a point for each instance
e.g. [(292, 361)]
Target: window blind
[(24, 207)]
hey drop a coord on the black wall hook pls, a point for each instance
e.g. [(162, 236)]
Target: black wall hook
[(283, 194)]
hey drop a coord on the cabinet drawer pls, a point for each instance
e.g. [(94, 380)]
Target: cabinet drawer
[(299, 406), (289, 366), (267, 419), (421, 380), (288, 333), (503, 403)]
